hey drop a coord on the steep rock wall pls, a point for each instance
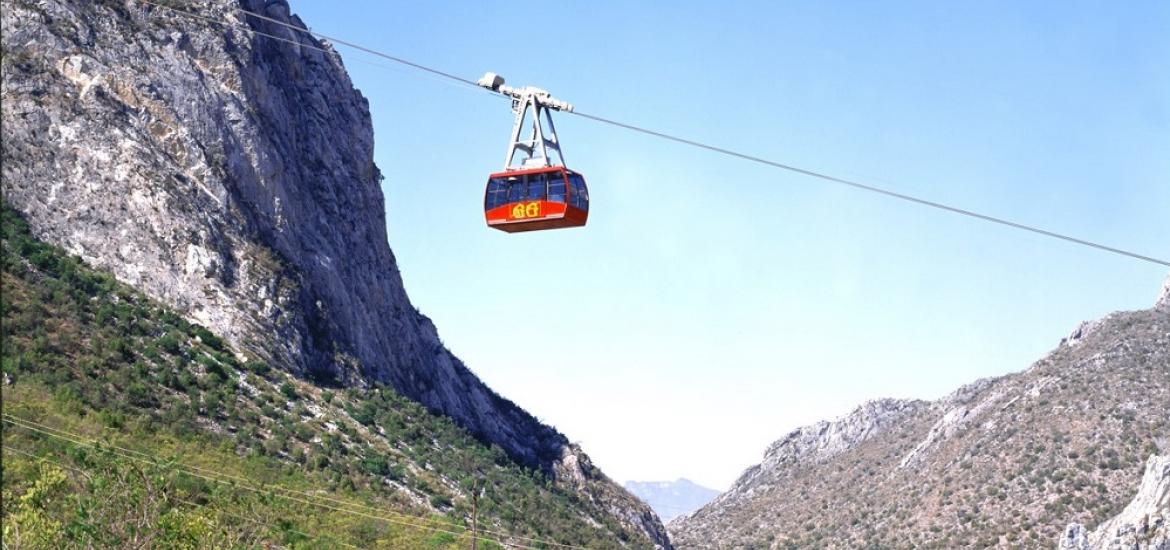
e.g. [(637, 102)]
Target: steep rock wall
[(231, 176)]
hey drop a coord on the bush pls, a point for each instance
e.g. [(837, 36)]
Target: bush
[(212, 366), (205, 336), (139, 395), (362, 414), (376, 465), (169, 343), (259, 367), (440, 501), (288, 390)]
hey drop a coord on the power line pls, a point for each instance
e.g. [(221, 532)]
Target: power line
[(193, 504), (720, 150), (370, 51), (277, 491), (221, 22), (123, 451)]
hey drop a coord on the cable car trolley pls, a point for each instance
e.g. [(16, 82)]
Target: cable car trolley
[(533, 192)]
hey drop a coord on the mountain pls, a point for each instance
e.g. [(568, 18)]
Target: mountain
[(670, 499), (118, 412), (1002, 462), (1144, 524), (229, 177)]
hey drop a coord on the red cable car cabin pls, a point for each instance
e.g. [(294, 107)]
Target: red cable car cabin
[(540, 198)]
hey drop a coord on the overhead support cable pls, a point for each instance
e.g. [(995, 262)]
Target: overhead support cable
[(715, 149), (872, 189)]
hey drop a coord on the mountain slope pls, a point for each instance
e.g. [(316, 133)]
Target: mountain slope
[(670, 499), (99, 361), (1001, 462), (1144, 524), (230, 176)]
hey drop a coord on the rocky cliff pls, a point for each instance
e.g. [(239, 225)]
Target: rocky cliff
[(231, 176), (1144, 524), (1005, 461)]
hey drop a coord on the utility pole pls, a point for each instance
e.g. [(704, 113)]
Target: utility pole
[(474, 516), (477, 486)]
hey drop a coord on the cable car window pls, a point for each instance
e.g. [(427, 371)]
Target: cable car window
[(536, 186), (515, 189), (497, 190), (556, 188), (579, 194)]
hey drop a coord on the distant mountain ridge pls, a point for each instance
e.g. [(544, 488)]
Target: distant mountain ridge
[(671, 499), (1001, 462)]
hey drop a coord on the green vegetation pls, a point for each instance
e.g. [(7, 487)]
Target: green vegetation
[(92, 357)]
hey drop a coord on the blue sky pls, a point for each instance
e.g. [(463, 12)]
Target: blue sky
[(712, 305)]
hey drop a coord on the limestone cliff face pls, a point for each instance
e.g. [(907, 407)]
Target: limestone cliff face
[(815, 444), (231, 176)]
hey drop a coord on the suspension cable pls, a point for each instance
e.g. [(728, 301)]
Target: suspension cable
[(716, 149)]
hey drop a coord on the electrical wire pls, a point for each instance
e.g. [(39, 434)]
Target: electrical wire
[(80, 440), (307, 494), (193, 504), (235, 481), (716, 149)]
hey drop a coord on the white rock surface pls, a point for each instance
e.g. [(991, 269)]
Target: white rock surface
[(1164, 296), (1144, 524)]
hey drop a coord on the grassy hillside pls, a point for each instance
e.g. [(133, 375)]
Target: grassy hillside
[(125, 425)]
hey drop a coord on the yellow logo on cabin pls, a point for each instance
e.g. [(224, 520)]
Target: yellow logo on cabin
[(526, 210)]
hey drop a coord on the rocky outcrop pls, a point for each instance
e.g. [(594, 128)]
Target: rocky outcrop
[(1002, 462), (819, 442), (825, 440), (230, 176), (1163, 301), (1144, 524)]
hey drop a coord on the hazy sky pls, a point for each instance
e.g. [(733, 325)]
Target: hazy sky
[(712, 305)]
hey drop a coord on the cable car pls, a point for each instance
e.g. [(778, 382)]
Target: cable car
[(536, 193), (540, 198)]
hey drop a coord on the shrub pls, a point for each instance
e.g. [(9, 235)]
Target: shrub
[(139, 395), (376, 465), (288, 390), (440, 501), (212, 366), (205, 336), (169, 343), (259, 367)]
